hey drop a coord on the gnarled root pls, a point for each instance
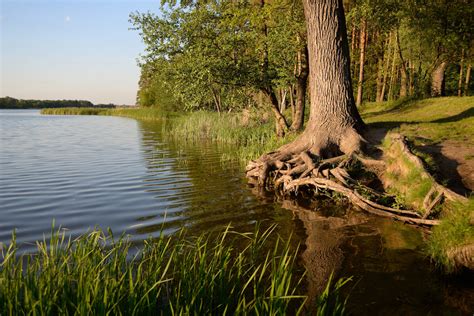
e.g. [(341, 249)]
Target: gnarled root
[(287, 171)]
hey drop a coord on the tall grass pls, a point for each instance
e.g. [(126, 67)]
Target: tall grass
[(98, 274), (76, 111), (253, 137)]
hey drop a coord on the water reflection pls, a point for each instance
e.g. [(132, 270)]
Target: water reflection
[(195, 189), (120, 173), (391, 274)]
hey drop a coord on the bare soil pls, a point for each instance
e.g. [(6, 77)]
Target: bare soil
[(455, 163)]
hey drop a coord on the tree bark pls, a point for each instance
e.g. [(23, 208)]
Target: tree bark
[(217, 100), (403, 82), (281, 125), (334, 123), (363, 44), (301, 75), (461, 70), (437, 80), (385, 71), (291, 91), (353, 47), (468, 77), (411, 84), (403, 70), (379, 81), (393, 73)]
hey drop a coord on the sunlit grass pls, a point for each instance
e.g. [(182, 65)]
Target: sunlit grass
[(213, 274), (75, 111), (403, 178), (455, 231), (437, 119), (252, 138)]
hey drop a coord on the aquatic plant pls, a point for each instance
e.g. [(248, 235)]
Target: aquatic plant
[(97, 273)]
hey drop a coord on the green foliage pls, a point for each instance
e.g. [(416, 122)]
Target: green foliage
[(456, 230), (12, 103), (97, 273), (216, 55), (329, 301)]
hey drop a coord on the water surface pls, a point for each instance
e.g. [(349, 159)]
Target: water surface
[(87, 171)]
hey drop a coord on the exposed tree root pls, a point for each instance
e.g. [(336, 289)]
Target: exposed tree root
[(295, 168), (438, 188)]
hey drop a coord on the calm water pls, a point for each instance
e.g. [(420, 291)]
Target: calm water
[(87, 171)]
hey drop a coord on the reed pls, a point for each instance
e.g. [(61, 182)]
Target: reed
[(253, 136), (76, 111), (97, 273)]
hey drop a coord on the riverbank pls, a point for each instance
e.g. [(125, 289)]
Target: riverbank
[(426, 123)]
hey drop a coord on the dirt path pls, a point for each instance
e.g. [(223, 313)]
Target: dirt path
[(455, 161)]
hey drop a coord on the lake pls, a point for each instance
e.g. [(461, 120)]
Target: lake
[(95, 171)]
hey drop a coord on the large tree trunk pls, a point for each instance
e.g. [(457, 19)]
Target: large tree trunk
[(363, 44), (334, 125), (437, 79), (301, 75), (334, 122)]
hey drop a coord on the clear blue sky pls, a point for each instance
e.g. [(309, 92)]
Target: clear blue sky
[(70, 49)]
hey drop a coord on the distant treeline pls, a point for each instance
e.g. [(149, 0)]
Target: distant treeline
[(12, 103)]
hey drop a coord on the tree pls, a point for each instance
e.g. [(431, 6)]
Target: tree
[(221, 55), (334, 126)]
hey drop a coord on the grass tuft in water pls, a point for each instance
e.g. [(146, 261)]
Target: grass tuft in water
[(98, 274), (455, 232), (329, 302), (252, 137)]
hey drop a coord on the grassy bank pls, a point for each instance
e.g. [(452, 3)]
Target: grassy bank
[(403, 178), (451, 243), (424, 121), (97, 274), (76, 111), (430, 120)]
